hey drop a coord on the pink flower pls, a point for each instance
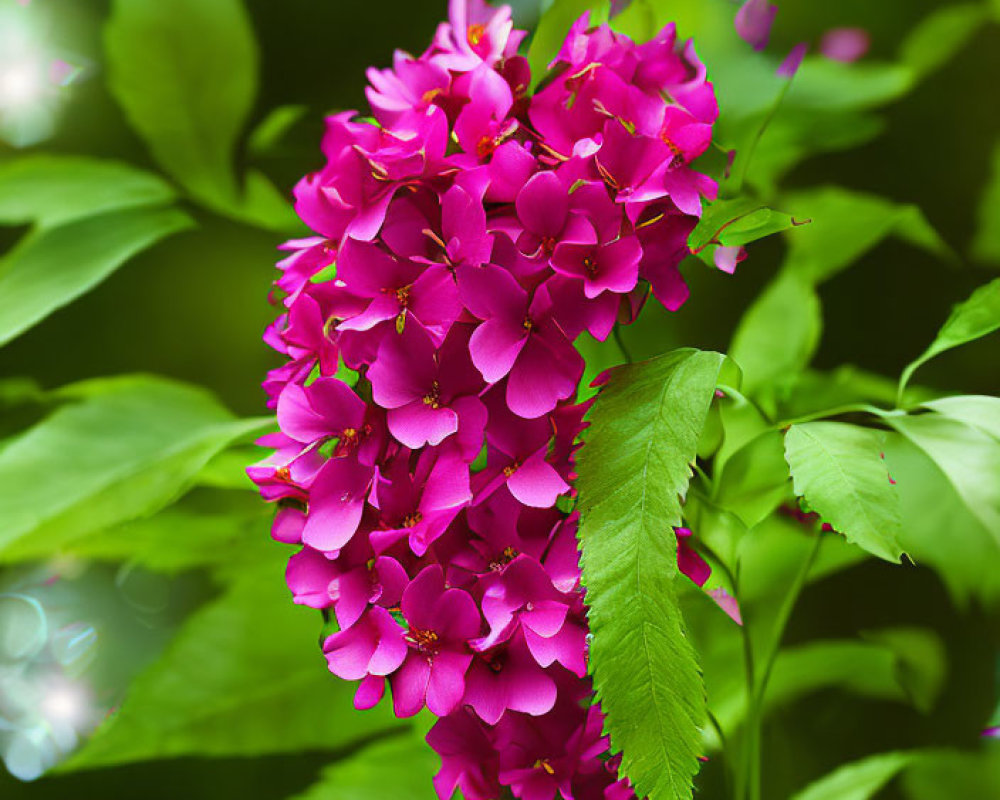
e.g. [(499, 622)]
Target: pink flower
[(441, 623), (845, 44), (754, 21), (429, 394), (519, 338), (461, 245)]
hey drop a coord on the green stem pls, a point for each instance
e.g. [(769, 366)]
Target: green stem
[(853, 408), (755, 712), (621, 344)]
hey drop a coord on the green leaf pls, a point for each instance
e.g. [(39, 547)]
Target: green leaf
[(190, 534), (242, 677), (54, 266), (940, 527), (865, 669), (634, 469), (50, 190), (921, 662), (755, 480), (846, 225), (970, 320), (736, 222), (986, 245), (839, 471), (822, 83), (553, 27), (940, 35), (967, 455), (125, 447), (859, 780), (954, 776), (778, 335), (977, 411), (399, 767), (188, 96), (269, 132)]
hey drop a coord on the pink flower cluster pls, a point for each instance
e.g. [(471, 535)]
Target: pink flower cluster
[(477, 231)]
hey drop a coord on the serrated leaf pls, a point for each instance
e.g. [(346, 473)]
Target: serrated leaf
[(51, 190), (970, 320), (51, 267), (779, 333), (400, 767), (839, 471), (188, 96), (120, 449), (859, 780), (242, 677), (633, 472), (846, 225)]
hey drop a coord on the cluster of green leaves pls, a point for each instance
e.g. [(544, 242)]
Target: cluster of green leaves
[(148, 472), (755, 451)]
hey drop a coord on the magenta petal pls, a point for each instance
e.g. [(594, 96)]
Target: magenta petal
[(350, 593), (546, 372), (545, 617), (418, 423), (536, 482), (383, 307), (481, 692), (568, 647), (404, 369), (369, 693), (409, 685), (340, 489), (495, 346), (308, 575), (542, 204), (530, 690), (447, 682)]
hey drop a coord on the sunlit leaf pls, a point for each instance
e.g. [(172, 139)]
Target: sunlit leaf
[(859, 780), (50, 190), (634, 469), (400, 767), (185, 73), (971, 319), (978, 411), (119, 449), (779, 333), (242, 677), (839, 470), (53, 266)]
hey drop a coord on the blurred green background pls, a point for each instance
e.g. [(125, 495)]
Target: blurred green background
[(194, 308)]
